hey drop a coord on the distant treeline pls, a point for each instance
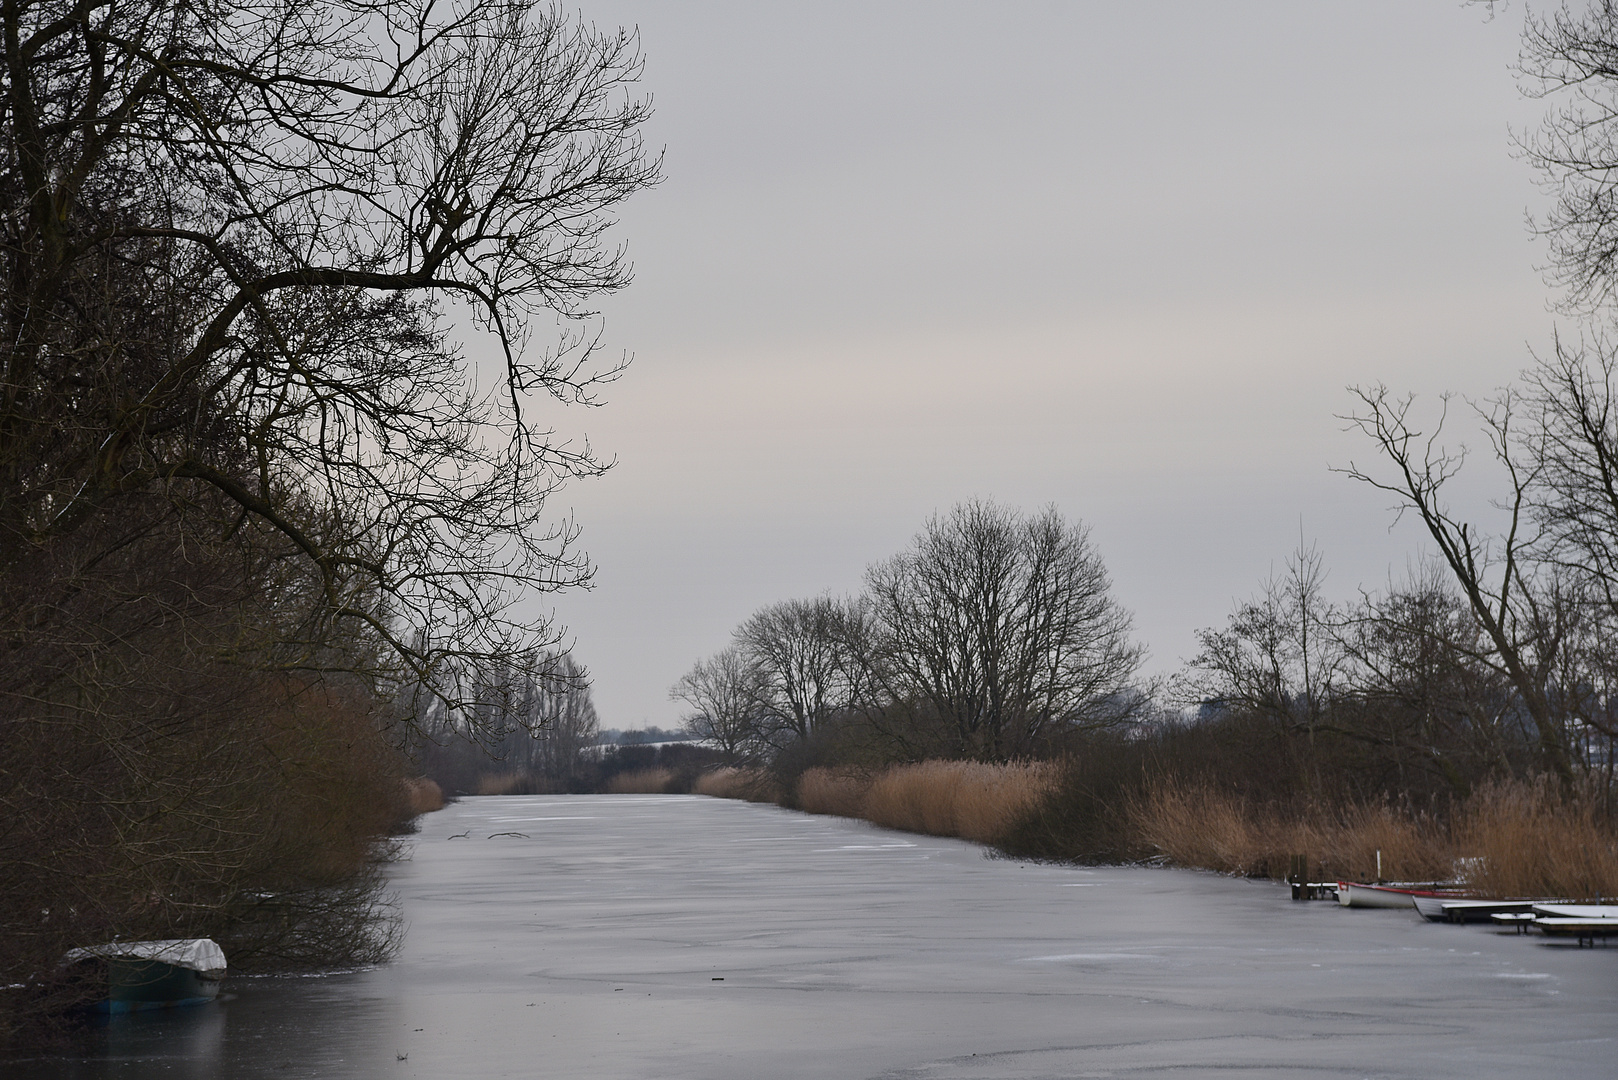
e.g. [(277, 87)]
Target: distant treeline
[(1493, 668), (994, 639), (544, 739)]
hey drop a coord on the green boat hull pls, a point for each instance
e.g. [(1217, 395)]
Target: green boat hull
[(134, 985)]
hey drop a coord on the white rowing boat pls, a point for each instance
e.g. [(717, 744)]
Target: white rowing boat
[(1398, 894)]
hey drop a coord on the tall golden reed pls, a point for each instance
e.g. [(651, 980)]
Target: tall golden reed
[(501, 783), (423, 795), (640, 782), (1195, 825), (728, 782), (1508, 839), (969, 799), (833, 791), (1532, 839)]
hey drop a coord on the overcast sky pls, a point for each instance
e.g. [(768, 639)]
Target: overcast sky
[(1122, 258)]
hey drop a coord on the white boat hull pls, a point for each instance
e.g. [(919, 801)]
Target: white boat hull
[(1352, 894), (1577, 911), (1449, 909), (1365, 896)]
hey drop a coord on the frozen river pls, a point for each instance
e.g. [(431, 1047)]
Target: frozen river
[(661, 937)]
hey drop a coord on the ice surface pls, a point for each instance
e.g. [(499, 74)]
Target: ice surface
[(596, 949)]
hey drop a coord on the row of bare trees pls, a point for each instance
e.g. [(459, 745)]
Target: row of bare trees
[(1404, 684), (992, 635), (1501, 654), (542, 736)]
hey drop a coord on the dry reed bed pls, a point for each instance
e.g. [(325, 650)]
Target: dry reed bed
[(833, 791), (753, 785), (1530, 841), (969, 799), (640, 782), (1197, 826), (1507, 839), (422, 795), (504, 783)]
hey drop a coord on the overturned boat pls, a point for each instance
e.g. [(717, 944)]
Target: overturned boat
[(153, 974)]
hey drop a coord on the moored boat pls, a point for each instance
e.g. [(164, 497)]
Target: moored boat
[(1552, 910), (1398, 894), (155, 974), (1449, 909), (1585, 929)]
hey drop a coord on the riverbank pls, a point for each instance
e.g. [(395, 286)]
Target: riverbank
[(1506, 839)]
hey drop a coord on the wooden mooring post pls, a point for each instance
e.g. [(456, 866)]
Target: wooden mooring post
[(1298, 876)]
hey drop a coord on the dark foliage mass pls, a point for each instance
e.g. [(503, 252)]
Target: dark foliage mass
[(157, 783), (250, 480)]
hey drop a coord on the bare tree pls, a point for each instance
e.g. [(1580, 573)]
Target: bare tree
[(724, 692), (805, 669), (537, 731), (234, 239), (556, 725), (1416, 678), (1572, 434), (1003, 628), (1277, 656), (1571, 56), (1525, 616)]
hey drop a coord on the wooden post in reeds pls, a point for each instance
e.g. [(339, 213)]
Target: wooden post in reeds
[(1298, 876)]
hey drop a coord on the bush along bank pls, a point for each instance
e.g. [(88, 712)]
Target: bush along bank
[(262, 817)]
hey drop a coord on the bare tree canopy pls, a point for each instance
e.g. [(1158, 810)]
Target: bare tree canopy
[(1004, 626), (806, 661), (1571, 56), (994, 634), (1273, 657), (235, 239), (1528, 609), (1535, 610), (723, 693)]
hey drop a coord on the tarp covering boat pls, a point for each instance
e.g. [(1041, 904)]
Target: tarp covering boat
[(153, 974), (195, 954)]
